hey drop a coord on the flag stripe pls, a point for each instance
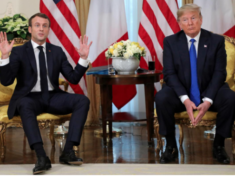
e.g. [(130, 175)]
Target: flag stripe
[(69, 17), (72, 7), (152, 18), (81, 89), (170, 18), (61, 22), (149, 43), (166, 29), (158, 20), (63, 33), (153, 37)]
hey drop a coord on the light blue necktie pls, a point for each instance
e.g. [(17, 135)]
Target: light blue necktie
[(194, 90)]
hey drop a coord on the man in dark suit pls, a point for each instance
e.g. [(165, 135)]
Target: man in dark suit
[(194, 71), (36, 65)]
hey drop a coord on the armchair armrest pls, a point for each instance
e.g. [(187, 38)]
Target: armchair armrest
[(64, 83)]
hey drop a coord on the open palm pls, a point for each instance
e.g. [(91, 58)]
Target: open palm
[(83, 51), (5, 47)]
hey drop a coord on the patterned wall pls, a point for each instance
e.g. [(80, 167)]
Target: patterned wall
[(25, 7)]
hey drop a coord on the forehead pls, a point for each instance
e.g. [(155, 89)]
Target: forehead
[(38, 19), (190, 13)]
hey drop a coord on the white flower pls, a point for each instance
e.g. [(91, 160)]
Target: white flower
[(125, 49), (126, 55), (115, 53), (107, 53)]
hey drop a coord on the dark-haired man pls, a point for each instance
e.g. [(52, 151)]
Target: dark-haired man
[(36, 65)]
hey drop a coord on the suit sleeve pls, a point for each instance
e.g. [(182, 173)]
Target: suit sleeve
[(219, 74), (169, 71), (72, 75), (9, 72)]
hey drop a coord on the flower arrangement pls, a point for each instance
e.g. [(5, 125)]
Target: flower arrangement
[(15, 27), (125, 49)]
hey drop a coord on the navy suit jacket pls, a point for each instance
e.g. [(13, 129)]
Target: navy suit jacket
[(22, 66), (211, 63)]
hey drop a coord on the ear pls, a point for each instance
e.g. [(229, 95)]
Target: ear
[(30, 29)]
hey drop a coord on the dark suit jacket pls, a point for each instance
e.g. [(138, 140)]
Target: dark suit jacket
[(23, 67), (211, 63)]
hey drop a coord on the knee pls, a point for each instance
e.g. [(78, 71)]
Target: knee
[(231, 99), (83, 101), (161, 99), (24, 104), (86, 101)]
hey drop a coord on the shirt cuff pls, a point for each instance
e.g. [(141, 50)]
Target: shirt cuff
[(4, 62), (207, 99), (183, 98), (84, 62)]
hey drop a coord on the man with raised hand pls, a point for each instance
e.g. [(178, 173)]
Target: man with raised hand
[(36, 65)]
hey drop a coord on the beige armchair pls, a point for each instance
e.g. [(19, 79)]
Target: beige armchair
[(45, 120), (210, 117)]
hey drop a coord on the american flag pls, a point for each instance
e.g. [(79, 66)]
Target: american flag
[(158, 20), (65, 32)]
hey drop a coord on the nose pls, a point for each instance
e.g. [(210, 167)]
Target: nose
[(190, 21)]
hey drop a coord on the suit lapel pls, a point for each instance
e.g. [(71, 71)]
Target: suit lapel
[(49, 59), (184, 56), (202, 50), (31, 56)]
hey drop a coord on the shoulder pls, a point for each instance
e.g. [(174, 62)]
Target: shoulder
[(211, 35), (176, 36), (53, 47)]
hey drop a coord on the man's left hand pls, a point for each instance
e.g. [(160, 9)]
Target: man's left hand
[(83, 51), (202, 108)]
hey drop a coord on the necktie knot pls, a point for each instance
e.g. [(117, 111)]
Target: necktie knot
[(40, 48), (192, 40)]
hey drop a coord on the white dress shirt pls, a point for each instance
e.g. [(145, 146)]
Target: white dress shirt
[(185, 97), (37, 87)]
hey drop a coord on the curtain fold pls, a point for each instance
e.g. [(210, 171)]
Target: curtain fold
[(92, 88), (83, 10)]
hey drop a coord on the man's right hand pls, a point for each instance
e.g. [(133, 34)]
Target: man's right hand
[(190, 106), (5, 47)]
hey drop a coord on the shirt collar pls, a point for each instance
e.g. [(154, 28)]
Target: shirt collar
[(35, 45), (196, 38)]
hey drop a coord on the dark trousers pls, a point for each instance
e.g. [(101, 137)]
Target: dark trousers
[(168, 103), (60, 103)]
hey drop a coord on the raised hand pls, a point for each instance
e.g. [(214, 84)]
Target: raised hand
[(5, 47), (83, 51)]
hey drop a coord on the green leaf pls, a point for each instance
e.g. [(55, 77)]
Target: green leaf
[(23, 35), (10, 36), (16, 16)]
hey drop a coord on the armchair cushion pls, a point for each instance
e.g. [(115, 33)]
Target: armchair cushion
[(45, 116), (230, 50), (6, 93)]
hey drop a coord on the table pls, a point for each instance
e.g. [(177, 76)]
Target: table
[(106, 82)]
